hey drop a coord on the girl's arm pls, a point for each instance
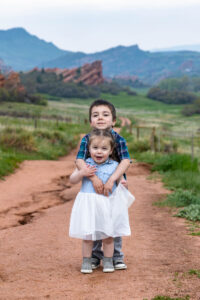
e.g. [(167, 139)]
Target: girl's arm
[(97, 183), (121, 169), (77, 175)]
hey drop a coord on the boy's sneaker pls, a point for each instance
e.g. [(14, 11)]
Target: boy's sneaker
[(119, 265), (108, 265), (86, 267), (95, 263)]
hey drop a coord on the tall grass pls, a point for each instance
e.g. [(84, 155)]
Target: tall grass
[(18, 144), (180, 173)]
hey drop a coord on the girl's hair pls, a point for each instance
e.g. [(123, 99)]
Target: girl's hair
[(102, 133)]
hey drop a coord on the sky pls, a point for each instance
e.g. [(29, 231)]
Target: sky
[(96, 25)]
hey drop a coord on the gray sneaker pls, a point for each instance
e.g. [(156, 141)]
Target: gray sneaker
[(86, 267), (119, 265), (108, 265)]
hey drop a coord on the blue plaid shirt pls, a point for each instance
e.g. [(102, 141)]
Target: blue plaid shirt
[(120, 151)]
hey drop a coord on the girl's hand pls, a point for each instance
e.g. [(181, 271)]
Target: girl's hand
[(124, 183), (97, 184), (88, 171)]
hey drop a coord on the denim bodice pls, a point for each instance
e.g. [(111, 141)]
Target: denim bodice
[(104, 171)]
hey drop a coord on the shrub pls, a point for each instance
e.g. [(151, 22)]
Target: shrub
[(181, 198), (19, 139), (139, 146), (191, 212), (175, 161)]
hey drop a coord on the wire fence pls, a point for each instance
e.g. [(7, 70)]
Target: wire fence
[(168, 141)]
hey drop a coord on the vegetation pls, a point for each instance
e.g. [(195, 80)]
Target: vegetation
[(171, 97), (169, 298), (192, 109), (48, 82), (180, 173), (18, 144), (14, 95)]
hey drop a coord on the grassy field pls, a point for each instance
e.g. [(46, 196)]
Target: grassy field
[(142, 112)]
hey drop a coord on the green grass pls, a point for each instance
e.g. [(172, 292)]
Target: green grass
[(195, 272), (169, 298), (18, 144)]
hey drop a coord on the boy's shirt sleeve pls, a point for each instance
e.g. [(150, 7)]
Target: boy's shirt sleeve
[(122, 149), (83, 149)]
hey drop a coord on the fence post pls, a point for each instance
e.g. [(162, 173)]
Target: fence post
[(192, 146), (159, 141), (138, 133), (153, 148)]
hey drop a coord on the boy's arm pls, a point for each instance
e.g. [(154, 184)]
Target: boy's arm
[(121, 169), (97, 183)]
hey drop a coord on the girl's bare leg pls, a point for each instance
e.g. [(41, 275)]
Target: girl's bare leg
[(108, 247), (87, 248)]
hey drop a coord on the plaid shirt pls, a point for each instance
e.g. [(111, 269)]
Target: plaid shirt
[(120, 151)]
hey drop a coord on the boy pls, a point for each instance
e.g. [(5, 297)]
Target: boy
[(102, 115)]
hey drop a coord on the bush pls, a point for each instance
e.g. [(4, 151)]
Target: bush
[(185, 180), (175, 161), (191, 212), (19, 139), (181, 198), (139, 146), (171, 97)]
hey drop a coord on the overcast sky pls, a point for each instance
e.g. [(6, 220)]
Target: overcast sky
[(95, 25)]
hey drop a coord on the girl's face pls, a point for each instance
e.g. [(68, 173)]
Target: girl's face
[(100, 149)]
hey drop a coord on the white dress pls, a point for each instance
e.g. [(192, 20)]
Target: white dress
[(96, 217)]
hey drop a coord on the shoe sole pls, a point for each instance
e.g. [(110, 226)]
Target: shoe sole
[(86, 271), (120, 268), (108, 270)]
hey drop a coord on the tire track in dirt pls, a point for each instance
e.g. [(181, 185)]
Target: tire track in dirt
[(40, 261)]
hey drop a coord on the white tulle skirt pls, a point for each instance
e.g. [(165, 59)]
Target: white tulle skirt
[(96, 217)]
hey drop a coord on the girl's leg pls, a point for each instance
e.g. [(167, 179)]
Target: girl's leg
[(87, 248), (108, 249), (87, 260)]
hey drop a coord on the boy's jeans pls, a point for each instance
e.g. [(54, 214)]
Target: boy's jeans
[(118, 254)]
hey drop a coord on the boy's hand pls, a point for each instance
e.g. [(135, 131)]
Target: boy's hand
[(97, 184), (124, 183), (108, 187), (88, 170)]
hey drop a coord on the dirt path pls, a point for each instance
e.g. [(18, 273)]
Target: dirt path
[(40, 261)]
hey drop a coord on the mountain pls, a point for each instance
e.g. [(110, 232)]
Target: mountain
[(23, 51), (132, 61), (179, 48)]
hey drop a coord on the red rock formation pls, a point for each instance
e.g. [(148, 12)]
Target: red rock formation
[(90, 74)]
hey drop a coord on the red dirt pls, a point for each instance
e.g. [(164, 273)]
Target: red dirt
[(40, 261)]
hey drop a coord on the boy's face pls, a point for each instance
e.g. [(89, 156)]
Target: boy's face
[(101, 117)]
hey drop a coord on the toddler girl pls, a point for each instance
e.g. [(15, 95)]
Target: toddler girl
[(94, 216)]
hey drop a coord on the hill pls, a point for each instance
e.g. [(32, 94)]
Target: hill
[(132, 61), (23, 51)]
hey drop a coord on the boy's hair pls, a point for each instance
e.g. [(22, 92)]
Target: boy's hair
[(99, 102), (102, 133)]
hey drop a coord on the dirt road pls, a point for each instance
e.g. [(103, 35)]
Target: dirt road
[(40, 261)]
